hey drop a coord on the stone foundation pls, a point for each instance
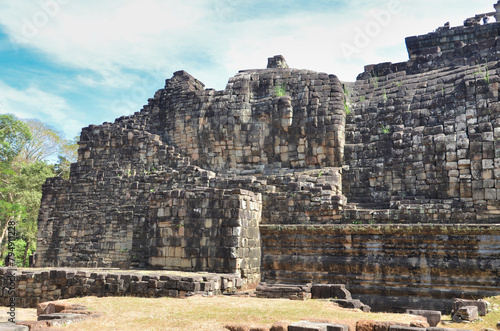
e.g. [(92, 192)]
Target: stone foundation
[(36, 287), (391, 267)]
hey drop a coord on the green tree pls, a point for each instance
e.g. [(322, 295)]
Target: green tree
[(14, 134), (45, 142), (27, 184), (68, 154), (26, 146)]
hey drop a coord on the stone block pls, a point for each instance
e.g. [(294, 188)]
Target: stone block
[(35, 325), (279, 326), (350, 304), (467, 313), (307, 326), (405, 328), (446, 329), (235, 327), (374, 325), (9, 326), (481, 305), (433, 316), (62, 316), (326, 291)]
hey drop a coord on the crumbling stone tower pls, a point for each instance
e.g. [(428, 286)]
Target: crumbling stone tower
[(399, 198)]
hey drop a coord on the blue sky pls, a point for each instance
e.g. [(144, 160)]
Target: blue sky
[(72, 63)]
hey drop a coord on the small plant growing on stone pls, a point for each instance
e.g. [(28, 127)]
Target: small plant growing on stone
[(280, 90), (347, 108), (384, 95), (486, 74), (374, 79), (363, 98), (385, 129)]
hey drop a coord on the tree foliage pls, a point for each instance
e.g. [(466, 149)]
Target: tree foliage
[(25, 148), (45, 142), (68, 155), (14, 134)]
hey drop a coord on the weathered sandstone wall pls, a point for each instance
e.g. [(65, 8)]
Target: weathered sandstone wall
[(388, 266)]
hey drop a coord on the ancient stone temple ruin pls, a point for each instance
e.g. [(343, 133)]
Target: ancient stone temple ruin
[(390, 185)]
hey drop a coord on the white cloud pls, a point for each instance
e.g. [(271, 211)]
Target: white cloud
[(107, 37), (152, 38), (34, 103)]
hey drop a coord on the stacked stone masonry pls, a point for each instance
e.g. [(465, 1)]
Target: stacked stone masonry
[(32, 288), (390, 266), (291, 176)]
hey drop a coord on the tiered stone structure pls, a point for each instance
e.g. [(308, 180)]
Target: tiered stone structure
[(390, 186), (185, 183)]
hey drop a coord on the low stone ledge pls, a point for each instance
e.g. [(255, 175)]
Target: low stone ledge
[(33, 288)]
